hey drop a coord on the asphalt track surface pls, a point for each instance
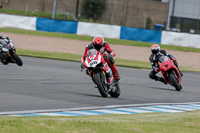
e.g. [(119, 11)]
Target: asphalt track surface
[(42, 84)]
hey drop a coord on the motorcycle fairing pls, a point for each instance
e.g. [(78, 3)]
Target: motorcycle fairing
[(96, 60), (167, 65)]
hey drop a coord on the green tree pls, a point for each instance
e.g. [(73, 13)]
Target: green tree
[(92, 9), (148, 23)]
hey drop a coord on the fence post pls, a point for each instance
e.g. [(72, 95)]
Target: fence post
[(111, 8), (77, 8), (54, 9)]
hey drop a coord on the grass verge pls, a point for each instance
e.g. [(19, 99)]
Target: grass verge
[(187, 122), (77, 58), (89, 38)]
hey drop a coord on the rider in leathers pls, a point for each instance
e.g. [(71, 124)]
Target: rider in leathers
[(102, 46), (154, 57), (2, 43)]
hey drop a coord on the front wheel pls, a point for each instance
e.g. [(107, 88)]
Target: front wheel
[(99, 79), (174, 82), (17, 59)]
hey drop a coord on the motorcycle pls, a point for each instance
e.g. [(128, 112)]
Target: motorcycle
[(170, 72), (99, 71), (8, 53)]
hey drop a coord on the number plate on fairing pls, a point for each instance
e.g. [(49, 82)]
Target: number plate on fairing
[(93, 63)]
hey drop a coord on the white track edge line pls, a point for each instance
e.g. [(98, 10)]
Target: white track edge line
[(91, 108)]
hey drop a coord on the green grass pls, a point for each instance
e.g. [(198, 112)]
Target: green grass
[(77, 58), (187, 122), (89, 38)]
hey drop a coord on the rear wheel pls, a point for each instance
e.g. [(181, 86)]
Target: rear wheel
[(174, 82), (117, 92), (99, 79), (17, 59)]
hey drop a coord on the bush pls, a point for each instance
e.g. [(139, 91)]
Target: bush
[(92, 9), (148, 23)]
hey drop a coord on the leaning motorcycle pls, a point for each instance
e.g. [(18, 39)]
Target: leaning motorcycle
[(170, 72), (8, 53), (98, 69)]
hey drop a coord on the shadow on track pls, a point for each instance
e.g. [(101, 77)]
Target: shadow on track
[(160, 88)]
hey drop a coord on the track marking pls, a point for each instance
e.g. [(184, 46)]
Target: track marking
[(126, 109)]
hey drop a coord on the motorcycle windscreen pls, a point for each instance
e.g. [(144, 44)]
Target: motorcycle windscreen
[(92, 52), (163, 59)]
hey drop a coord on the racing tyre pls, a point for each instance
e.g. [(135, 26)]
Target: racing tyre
[(17, 59), (99, 79), (116, 93), (174, 82)]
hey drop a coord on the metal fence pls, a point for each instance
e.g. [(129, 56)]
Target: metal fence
[(132, 13)]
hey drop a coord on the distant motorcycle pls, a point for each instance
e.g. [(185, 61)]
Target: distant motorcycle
[(8, 53), (170, 72), (97, 69)]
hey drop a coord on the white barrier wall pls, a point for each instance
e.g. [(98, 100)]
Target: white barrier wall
[(180, 39), (21, 22), (92, 29), (108, 31)]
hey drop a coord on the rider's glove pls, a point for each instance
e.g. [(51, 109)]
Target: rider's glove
[(82, 66), (157, 69), (108, 56)]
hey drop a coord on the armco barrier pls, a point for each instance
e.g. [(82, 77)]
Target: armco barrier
[(44, 24), (92, 29), (15, 21), (138, 34)]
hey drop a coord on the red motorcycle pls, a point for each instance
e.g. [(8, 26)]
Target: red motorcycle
[(100, 72), (170, 72)]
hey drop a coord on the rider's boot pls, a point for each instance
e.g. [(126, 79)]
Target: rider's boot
[(116, 76), (161, 79), (176, 64)]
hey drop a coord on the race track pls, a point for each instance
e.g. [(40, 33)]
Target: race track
[(42, 84)]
